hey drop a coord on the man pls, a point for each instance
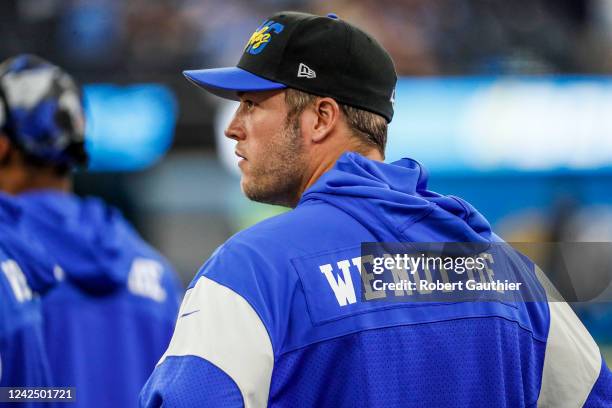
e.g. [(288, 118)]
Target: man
[(273, 318), (111, 317), (24, 275)]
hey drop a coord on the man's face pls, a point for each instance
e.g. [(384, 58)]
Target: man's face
[(270, 147)]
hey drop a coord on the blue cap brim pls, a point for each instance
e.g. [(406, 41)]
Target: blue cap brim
[(227, 82)]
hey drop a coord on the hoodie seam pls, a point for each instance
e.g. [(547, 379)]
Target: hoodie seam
[(468, 212), (402, 228), (385, 220)]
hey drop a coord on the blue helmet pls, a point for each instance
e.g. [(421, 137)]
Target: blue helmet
[(41, 111)]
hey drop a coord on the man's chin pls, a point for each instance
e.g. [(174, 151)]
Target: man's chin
[(257, 194), (250, 189)]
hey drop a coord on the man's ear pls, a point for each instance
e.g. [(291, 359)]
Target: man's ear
[(327, 115)]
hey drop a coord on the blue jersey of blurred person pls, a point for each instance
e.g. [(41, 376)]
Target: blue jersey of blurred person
[(25, 273), (110, 319)]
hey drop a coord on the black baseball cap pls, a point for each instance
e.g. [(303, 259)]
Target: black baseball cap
[(324, 56)]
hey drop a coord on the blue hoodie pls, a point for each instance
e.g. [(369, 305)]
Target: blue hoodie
[(25, 273), (274, 317), (111, 318)]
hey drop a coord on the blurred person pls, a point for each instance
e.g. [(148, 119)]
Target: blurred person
[(25, 273), (273, 318), (111, 317)]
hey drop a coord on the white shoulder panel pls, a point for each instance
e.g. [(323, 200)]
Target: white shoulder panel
[(220, 326), (572, 361)]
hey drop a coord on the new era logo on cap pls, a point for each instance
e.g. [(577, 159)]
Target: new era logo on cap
[(305, 72)]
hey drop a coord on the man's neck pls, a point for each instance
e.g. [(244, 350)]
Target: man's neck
[(327, 163)]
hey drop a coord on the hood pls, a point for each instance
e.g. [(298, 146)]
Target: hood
[(392, 201), (34, 261), (91, 241)]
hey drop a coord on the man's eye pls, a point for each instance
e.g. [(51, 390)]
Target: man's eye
[(249, 104)]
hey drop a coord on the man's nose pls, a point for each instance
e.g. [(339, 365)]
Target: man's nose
[(235, 130)]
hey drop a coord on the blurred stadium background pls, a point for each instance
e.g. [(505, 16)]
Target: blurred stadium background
[(507, 103)]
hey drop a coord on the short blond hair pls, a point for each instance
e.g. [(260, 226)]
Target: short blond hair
[(368, 127)]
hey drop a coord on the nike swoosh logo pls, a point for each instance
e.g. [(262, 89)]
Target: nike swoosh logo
[(189, 313)]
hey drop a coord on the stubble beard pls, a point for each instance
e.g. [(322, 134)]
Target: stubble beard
[(276, 179)]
